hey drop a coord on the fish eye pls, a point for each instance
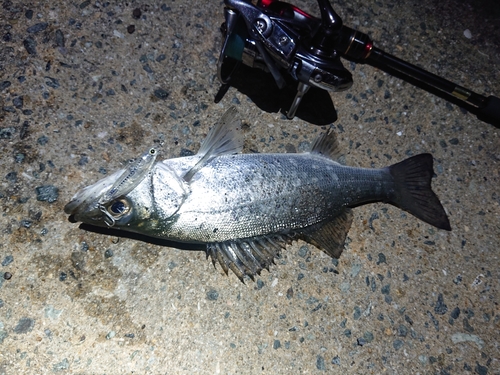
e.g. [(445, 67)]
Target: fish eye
[(119, 208)]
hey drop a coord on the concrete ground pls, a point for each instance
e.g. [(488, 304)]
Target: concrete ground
[(87, 85)]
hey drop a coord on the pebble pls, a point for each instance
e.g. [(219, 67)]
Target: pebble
[(118, 34), (42, 141), (18, 102), (355, 269), (434, 320), (24, 325), (440, 307), (397, 344), (7, 276), (402, 330), (60, 41), (457, 280), (52, 82), (26, 223), (320, 363), (4, 85), (357, 313), (212, 295), (464, 337), (467, 326), (361, 341), (368, 336), (481, 370), (7, 260), (52, 313), (37, 28), (7, 133), (161, 93), (136, 13), (30, 44), (381, 259), (63, 365), (47, 193), (24, 129)]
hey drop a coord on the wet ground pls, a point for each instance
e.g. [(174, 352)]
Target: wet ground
[(86, 86)]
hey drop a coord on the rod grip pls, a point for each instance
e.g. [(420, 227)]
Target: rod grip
[(490, 112)]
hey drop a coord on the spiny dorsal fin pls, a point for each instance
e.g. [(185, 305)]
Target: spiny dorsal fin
[(248, 256), (330, 236), (225, 138), (326, 144)]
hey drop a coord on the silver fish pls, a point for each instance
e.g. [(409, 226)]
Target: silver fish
[(247, 207)]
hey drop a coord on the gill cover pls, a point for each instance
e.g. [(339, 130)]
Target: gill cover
[(168, 192)]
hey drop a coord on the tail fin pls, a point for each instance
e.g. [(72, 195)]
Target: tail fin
[(412, 178)]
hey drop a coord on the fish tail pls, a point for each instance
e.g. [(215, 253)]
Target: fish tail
[(413, 192)]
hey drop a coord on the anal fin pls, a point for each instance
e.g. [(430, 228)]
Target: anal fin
[(329, 236)]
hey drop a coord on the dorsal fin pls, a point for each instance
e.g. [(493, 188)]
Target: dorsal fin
[(326, 144), (225, 138), (329, 236)]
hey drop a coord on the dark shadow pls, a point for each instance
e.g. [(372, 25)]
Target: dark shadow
[(143, 238), (316, 107)]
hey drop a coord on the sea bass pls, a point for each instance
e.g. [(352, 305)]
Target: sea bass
[(247, 207)]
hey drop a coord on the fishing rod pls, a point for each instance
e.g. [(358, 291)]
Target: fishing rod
[(280, 38)]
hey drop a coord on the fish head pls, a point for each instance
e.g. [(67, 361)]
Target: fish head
[(145, 206), (91, 206)]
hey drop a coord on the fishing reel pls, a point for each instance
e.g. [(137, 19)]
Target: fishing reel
[(284, 40)]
